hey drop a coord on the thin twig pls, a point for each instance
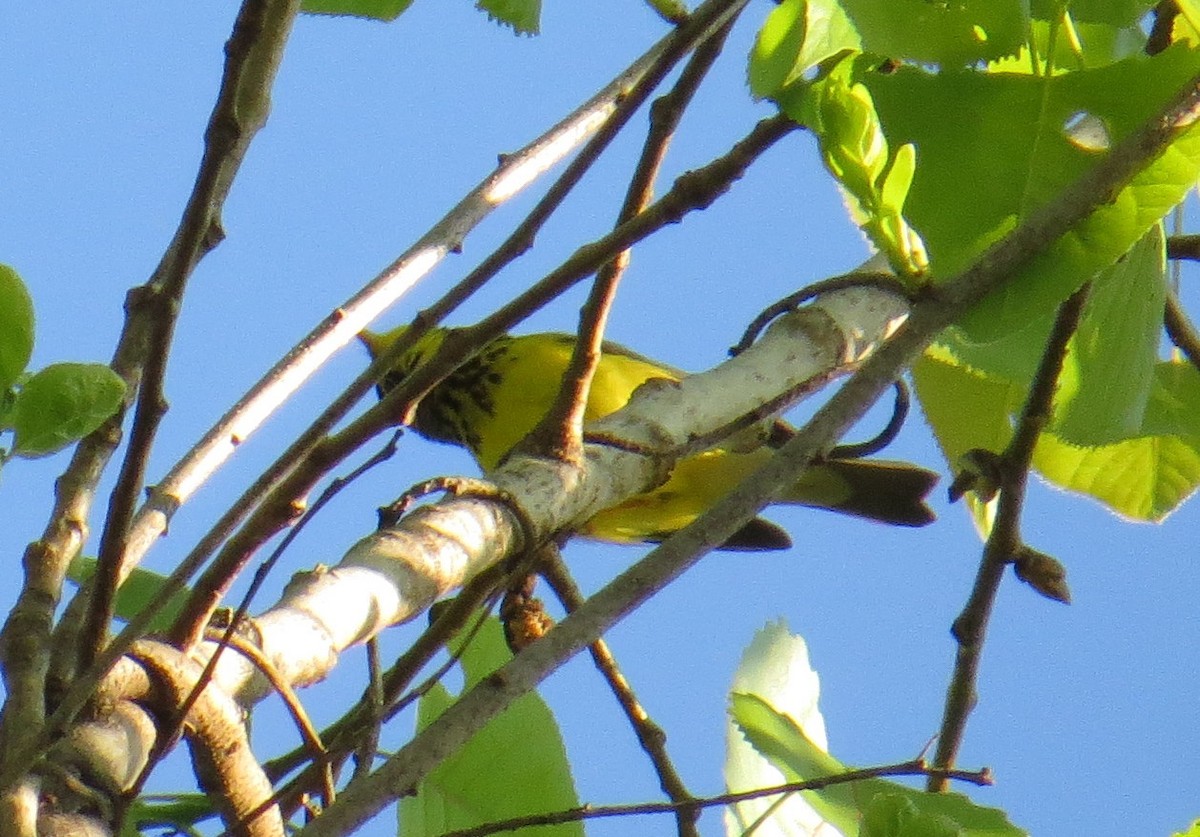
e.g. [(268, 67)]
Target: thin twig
[(649, 734), (563, 423), (374, 701), (559, 434), (970, 628), (253, 55), (1181, 330), (916, 767), (1184, 247), (707, 17)]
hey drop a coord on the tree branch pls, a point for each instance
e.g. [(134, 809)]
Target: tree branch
[(1000, 262), (253, 53), (1004, 541), (1181, 330), (649, 734), (588, 812)]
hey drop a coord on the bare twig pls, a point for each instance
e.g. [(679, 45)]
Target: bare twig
[(707, 17), (1184, 247), (253, 55), (970, 628), (1181, 330), (649, 734), (560, 431), (916, 767)]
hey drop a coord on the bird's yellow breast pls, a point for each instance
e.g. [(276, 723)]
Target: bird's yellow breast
[(505, 391)]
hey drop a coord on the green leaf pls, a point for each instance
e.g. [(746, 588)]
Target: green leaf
[(1143, 478), (1192, 831), (949, 34), (1111, 12), (374, 9), (515, 766), (16, 327), (994, 148), (135, 594), (895, 815), (775, 667), (524, 16), (965, 409), (1104, 388), (848, 804), (180, 811), (797, 36), (62, 403), (1174, 404)]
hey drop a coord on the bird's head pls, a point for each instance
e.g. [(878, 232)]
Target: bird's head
[(378, 343)]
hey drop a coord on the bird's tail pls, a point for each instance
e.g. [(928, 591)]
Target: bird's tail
[(881, 490)]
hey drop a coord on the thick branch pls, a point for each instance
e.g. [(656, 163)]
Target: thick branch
[(1002, 261)]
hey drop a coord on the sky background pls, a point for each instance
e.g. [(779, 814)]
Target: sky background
[(1087, 713)]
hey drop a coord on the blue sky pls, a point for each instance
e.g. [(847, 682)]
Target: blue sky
[(1086, 713)]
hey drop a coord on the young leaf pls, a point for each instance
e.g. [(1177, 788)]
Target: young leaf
[(992, 149), (62, 403), (775, 667), (374, 9), (796, 37), (847, 804), (16, 327), (514, 766)]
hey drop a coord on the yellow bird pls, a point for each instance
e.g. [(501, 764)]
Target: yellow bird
[(494, 400)]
